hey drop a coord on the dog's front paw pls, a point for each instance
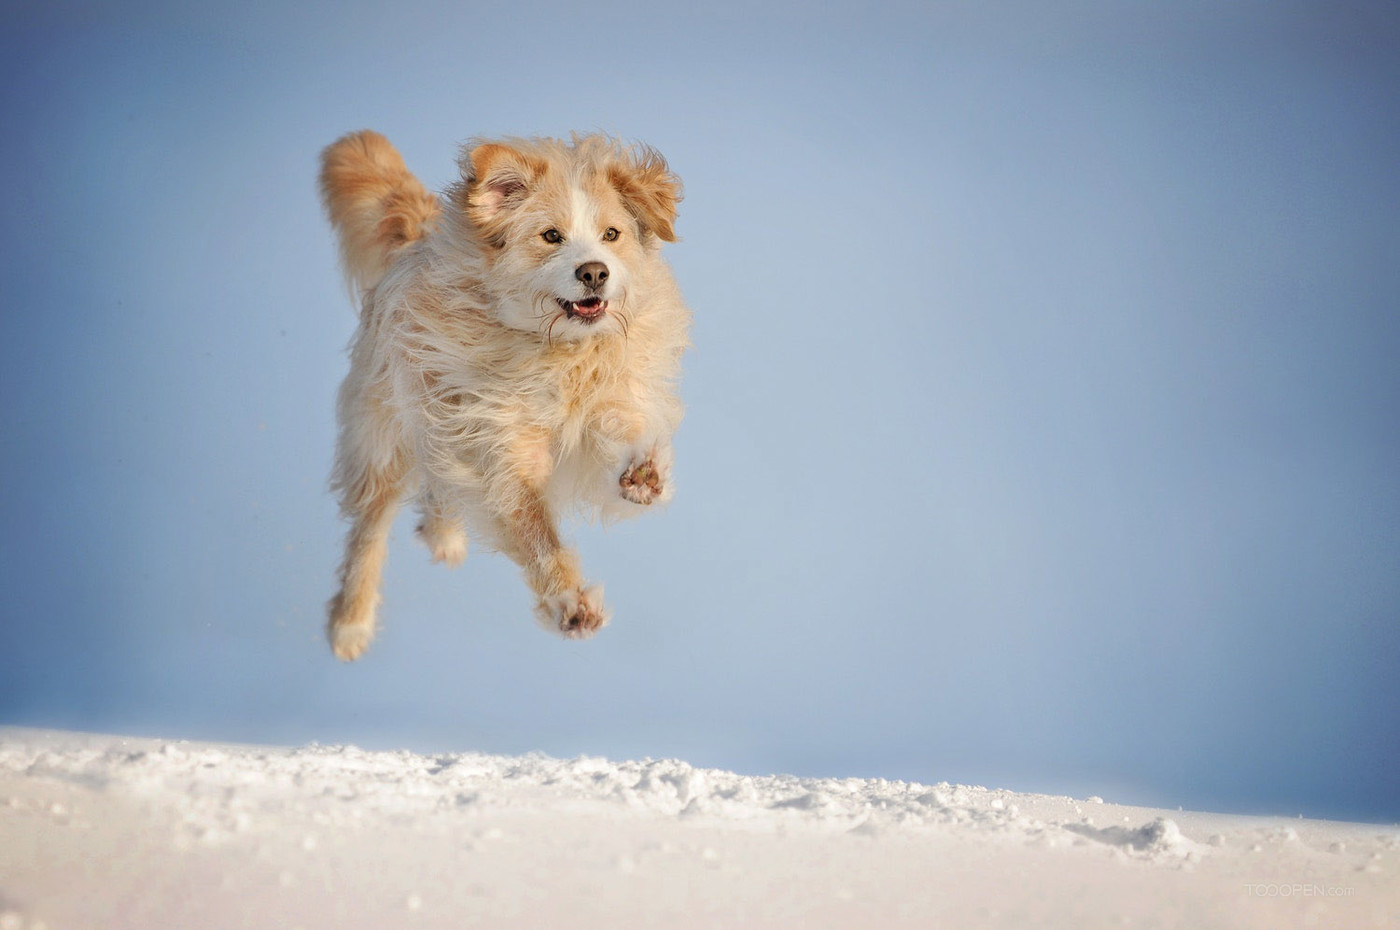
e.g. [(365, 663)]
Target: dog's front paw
[(575, 614), (641, 483), (646, 481)]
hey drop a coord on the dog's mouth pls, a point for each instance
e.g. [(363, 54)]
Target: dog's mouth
[(588, 310)]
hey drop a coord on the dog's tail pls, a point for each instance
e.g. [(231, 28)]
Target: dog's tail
[(375, 204)]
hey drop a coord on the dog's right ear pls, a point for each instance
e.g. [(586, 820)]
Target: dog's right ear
[(496, 179)]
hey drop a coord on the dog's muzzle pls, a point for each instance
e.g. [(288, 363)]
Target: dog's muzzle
[(588, 310)]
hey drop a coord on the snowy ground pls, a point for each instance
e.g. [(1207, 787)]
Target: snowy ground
[(106, 831)]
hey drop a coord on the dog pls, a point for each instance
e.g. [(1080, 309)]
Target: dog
[(516, 359)]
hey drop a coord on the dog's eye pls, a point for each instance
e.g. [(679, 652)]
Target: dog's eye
[(552, 236), (610, 234)]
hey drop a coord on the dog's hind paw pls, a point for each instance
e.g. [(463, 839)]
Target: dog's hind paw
[(445, 541), (576, 614), (350, 640)]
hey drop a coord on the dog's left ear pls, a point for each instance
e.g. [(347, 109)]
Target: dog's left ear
[(650, 190)]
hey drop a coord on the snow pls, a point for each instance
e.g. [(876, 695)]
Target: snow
[(109, 831)]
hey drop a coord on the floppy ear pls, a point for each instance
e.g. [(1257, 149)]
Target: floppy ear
[(497, 178), (649, 190)]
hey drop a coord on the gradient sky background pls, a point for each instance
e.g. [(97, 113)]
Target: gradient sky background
[(1042, 418)]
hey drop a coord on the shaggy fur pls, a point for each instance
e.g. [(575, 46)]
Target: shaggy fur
[(516, 358)]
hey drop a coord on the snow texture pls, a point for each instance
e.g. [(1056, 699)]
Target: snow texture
[(115, 832)]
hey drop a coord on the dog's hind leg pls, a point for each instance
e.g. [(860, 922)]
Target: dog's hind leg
[(371, 499), (442, 532)]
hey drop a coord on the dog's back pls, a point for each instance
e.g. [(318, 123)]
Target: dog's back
[(375, 204)]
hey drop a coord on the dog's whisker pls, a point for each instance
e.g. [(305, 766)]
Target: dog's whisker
[(540, 304), (624, 311)]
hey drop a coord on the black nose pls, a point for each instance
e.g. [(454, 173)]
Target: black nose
[(592, 274)]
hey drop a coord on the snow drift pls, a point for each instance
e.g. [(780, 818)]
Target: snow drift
[(103, 831)]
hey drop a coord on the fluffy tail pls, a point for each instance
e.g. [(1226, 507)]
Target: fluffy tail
[(375, 204)]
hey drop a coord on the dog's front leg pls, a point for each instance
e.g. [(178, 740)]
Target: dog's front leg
[(567, 604), (640, 445), (526, 527)]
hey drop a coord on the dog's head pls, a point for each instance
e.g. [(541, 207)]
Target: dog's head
[(566, 229)]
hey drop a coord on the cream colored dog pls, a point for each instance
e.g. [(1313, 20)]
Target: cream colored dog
[(519, 343)]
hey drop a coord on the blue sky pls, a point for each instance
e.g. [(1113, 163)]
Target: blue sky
[(1042, 410)]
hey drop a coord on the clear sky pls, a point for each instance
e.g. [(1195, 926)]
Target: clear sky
[(1043, 407)]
